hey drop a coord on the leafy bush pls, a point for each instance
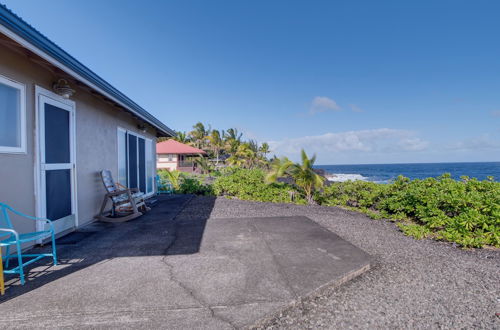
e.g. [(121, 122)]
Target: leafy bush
[(173, 177), (248, 184), (184, 183), (194, 185), (466, 212), (354, 194)]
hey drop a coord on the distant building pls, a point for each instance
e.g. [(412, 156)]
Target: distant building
[(173, 155)]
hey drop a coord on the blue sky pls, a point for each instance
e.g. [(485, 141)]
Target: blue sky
[(352, 81)]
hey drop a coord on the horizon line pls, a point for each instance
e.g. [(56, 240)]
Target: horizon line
[(475, 162)]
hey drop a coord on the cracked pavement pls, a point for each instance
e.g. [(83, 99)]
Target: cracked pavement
[(178, 267)]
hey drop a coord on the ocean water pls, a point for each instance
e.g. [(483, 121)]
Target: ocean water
[(384, 173)]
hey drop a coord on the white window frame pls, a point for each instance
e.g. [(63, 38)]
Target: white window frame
[(122, 130), (153, 165), (22, 107), (146, 194)]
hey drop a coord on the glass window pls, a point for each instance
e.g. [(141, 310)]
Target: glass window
[(122, 157), (136, 161), (12, 116), (150, 166)]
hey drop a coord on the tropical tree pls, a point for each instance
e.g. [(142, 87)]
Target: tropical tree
[(204, 164), (279, 168), (305, 177), (232, 134), (303, 174), (264, 150), (181, 137), (254, 145), (199, 134), (244, 157), (216, 143), (232, 140), (174, 177)]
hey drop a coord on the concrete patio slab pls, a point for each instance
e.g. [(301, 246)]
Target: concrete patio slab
[(168, 271)]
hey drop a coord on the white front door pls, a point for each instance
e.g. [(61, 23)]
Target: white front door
[(56, 160)]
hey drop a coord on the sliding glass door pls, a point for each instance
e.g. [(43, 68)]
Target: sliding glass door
[(135, 165)]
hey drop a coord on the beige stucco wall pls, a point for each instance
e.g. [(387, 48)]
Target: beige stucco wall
[(96, 143), (162, 162), (171, 166)]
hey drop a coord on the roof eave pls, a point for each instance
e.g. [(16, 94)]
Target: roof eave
[(24, 34)]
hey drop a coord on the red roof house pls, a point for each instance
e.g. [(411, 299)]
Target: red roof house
[(173, 155)]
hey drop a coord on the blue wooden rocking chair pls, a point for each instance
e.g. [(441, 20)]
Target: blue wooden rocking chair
[(8, 237)]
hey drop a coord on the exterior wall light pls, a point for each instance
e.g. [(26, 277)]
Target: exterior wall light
[(61, 87)]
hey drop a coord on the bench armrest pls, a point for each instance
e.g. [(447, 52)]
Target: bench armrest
[(12, 231)]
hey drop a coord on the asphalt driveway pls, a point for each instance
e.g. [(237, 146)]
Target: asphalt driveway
[(180, 267)]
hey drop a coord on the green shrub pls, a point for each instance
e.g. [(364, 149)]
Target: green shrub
[(194, 185), (354, 194), (184, 183), (464, 211), (173, 177), (248, 184)]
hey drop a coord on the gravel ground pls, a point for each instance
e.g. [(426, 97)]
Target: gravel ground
[(412, 284)]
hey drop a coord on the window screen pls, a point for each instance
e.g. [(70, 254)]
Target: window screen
[(57, 139)]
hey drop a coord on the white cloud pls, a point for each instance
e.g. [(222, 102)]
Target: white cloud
[(382, 140), (322, 104), (355, 108), (482, 142)]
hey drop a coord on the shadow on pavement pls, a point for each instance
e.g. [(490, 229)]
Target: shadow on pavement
[(159, 232)]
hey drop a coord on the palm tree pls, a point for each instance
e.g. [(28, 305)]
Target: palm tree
[(264, 150), (254, 145), (198, 135), (204, 164), (173, 176), (232, 145), (232, 134), (181, 137), (303, 175), (232, 140), (244, 157), (216, 143), (279, 168)]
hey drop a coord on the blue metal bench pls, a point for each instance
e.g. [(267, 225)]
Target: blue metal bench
[(163, 186), (9, 236)]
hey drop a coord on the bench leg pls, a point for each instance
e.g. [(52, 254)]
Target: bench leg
[(54, 253), (2, 282), (20, 262)]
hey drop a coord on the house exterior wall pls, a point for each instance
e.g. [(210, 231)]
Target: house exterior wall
[(96, 143), (166, 161)]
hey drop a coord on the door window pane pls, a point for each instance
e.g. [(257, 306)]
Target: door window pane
[(132, 161), (10, 114), (57, 136), (142, 165)]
